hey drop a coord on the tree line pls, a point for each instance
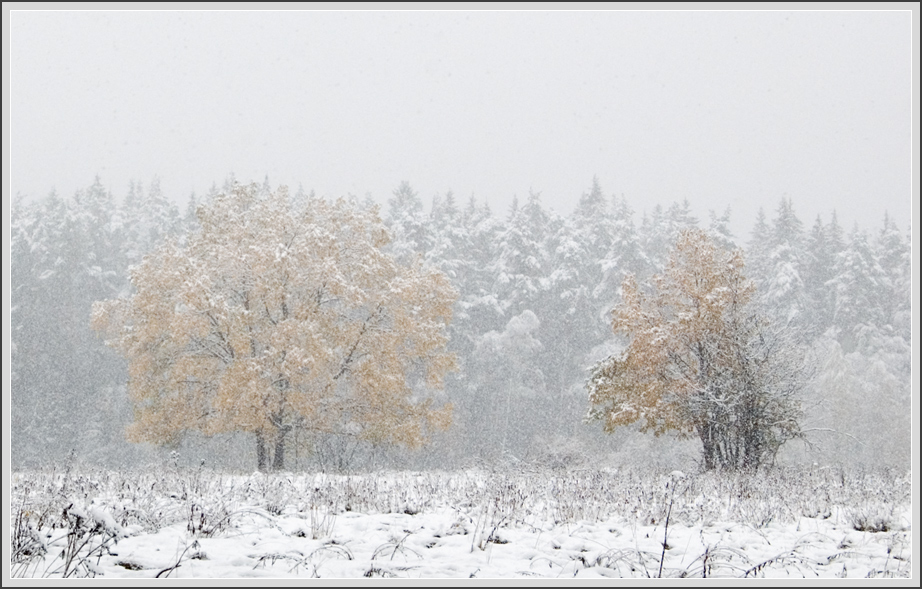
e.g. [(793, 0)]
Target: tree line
[(534, 292)]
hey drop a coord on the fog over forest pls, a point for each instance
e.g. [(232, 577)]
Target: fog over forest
[(531, 319)]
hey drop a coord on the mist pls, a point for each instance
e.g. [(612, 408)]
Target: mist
[(725, 109)]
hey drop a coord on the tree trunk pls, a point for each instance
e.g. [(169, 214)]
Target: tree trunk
[(262, 454), (278, 461), (710, 450)]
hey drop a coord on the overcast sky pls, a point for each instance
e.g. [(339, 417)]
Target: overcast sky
[(722, 108)]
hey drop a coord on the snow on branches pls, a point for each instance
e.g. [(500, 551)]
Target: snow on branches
[(701, 360), (270, 319)]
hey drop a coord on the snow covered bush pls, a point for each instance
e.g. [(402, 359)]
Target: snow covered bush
[(701, 360)]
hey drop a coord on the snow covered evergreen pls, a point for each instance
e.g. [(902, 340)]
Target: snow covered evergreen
[(533, 314)]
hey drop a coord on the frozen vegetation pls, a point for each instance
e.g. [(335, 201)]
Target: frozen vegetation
[(530, 522)]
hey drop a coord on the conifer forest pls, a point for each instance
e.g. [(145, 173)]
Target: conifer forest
[(531, 295)]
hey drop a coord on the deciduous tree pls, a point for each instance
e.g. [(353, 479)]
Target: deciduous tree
[(270, 319), (701, 360)]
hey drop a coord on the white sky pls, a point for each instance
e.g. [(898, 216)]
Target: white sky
[(723, 108)]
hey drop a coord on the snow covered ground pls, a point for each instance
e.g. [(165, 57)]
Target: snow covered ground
[(537, 523)]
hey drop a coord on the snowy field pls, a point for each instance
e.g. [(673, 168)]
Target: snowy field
[(527, 523)]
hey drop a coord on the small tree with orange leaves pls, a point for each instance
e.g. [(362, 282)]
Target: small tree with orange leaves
[(701, 360), (270, 320)]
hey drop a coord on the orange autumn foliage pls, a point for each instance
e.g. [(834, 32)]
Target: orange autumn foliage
[(267, 320), (700, 359)]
